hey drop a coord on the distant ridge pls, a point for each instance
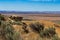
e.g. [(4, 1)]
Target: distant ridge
[(31, 12)]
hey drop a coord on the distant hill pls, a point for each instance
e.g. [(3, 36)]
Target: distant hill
[(31, 12)]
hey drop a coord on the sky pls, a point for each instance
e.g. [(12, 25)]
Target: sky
[(30, 5)]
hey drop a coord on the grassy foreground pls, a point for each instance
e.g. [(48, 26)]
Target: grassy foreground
[(13, 28)]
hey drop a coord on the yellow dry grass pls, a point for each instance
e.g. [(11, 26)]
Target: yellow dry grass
[(32, 35)]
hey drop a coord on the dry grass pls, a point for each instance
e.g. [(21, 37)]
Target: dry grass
[(43, 20), (31, 35)]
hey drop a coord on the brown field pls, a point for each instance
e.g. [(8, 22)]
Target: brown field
[(48, 17), (38, 16)]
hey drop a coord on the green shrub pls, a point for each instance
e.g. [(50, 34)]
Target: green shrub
[(17, 23), (24, 27), (0, 22), (17, 36), (48, 32), (16, 18), (2, 17), (55, 37), (7, 31), (37, 27)]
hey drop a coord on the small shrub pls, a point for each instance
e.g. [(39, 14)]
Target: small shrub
[(55, 37), (37, 27), (17, 36), (0, 22), (16, 23), (52, 31), (24, 27), (16, 18), (49, 32), (2, 17), (7, 31)]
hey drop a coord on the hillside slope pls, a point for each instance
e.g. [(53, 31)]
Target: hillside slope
[(26, 32)]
